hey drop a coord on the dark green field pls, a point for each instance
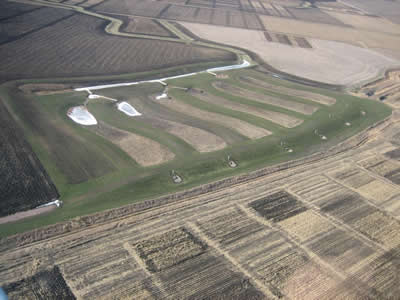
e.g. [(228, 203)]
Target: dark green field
[(93, 174)]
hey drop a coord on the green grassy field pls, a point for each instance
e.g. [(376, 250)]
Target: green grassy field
[(93, 174)]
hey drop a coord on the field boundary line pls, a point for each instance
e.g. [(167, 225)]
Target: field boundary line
[(367, 199), (128, 247), (261, 287), (313, 256)]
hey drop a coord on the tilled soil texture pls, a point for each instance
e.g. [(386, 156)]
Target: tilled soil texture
[(29, 22), (47, 284), (24, 183), (144, 26), (86, 49)]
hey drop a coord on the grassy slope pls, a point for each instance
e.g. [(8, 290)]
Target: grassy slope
[(133, 183)]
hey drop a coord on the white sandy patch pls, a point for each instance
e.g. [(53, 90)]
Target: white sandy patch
[(128, 109), (80, 115), (162, 96), (328, 61)]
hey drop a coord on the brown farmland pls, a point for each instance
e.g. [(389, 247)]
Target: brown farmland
[(144, 151), (118, 55), (258, 238)]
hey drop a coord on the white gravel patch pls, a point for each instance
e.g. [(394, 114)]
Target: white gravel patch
[(80, 115), (128, 109), (162, 96)]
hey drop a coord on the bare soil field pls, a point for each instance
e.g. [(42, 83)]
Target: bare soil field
[(331, 32), (114, 55), (265, 114), (144, 26), (347, 64), (90, 3), (370, 23), (12, 9), (144, 151), (13, 28), (134, 8), (259, 97), (240, 126), (321, 99), (388, 9), (24, 183), (201, 140), (315, 15)]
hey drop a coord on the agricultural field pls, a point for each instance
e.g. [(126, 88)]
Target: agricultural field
[(19, 164), (250, 183), (87, 33), (23, 24), (202, 123), (386, 89), (48, 284), (294, 233), (144, 26), (346, 63)]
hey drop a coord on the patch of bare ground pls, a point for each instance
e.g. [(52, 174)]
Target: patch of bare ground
[(144, 26), (321, 99), (45, 88), (201, 140), (262, 113), (306, 225), (244, 128), (305, 109), (375, 24), (332, 32), (332, 49), (144, 151)]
